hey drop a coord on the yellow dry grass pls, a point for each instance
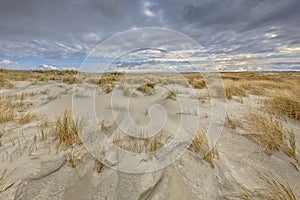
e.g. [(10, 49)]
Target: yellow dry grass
[(271, 134), (233, 89), (230, 122), (66, 129), (147, 88), (26, 117), (284, 103), (99, 166), (139, 145), (274, 189), (7, 109), (200, 145)]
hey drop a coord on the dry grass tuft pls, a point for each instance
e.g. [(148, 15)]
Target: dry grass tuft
[(270, 134), (44, 127), (2, 131), (69, 79), (139, 145), (171, 95), (67, 131), (7, 110), (275, 189), (283, 103), (147, 88), (26, 117), (231, 123), (109, 78), (200, 145), (99, 166), (108, 88), (73, 157), (4, 83), (198, 84), (233, 89)]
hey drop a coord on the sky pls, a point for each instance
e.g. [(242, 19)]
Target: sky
[(237, 35)]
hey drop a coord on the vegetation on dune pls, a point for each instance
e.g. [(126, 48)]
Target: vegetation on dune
[(67, 129), (7, 109), (139, 145), (147, 88), (274, 189), (284, 103), (200, 145), (269, 132)]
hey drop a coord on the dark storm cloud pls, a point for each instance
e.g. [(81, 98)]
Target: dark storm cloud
[(71, 28)]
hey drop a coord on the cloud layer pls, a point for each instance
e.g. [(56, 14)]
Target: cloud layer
[(237, 33)]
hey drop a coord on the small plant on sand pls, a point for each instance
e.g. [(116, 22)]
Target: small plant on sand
[(270, 133), (197, 83), (44, 127), (233, 89), (275, 189), (7, 110), (283, 103), (33, 145), (171, 95), (147, 88), (99, 165), (138, 145), (1, 135), (108, 88), (4, 83), (73, 157), (67, 130), (200, 145), (26, 117), (69, 79), (155, 143), (230, 122)]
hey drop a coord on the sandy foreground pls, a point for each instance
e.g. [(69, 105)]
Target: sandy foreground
[(42, 155)]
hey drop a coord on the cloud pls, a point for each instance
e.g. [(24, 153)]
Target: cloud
[(57, 30), (48, 67), (7, 62)]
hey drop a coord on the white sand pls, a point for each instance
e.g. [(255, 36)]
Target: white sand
[(45, 175)]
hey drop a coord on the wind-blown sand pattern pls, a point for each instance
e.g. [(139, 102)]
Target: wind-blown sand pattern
[(42, 155)]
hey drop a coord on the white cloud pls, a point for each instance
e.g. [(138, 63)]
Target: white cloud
[(7, 62), (147, 10), (48, 67)]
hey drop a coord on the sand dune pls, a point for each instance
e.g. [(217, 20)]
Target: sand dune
[(243, 165)]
